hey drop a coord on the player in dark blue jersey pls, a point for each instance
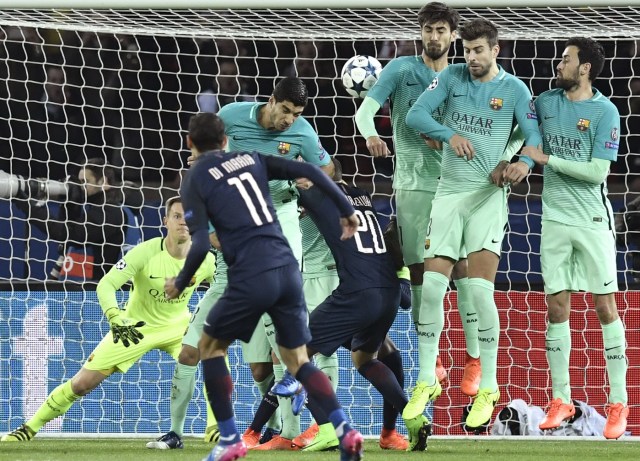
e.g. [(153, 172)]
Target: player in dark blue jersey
[(360, 312), (231, 190)]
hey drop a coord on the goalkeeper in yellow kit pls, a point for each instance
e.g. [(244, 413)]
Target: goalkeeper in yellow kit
[(149, 321)]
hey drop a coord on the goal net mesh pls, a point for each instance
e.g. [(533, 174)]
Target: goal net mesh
[(122, 84)]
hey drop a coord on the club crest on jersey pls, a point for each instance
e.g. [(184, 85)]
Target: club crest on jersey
[(583, 124), (433, 85), (614, 134), (495, 103), (284, 148)]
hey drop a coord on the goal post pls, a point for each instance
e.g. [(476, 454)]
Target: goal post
[(136, 70)]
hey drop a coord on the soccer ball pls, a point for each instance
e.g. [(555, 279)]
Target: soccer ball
[(359, 74)]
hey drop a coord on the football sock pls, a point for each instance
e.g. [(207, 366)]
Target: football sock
[(319, 388), (290, 422), (558, 345), (267, 407), (468, 317), (219, 390), (211, 418), (430, 324), (389, 412), (182, 385), (383, 379), (264, 387), (616, 359), (481, 291), (57, 403), (329, 366), (416, 300)]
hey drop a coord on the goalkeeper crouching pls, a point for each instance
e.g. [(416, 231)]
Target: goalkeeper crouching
[(149, 321)]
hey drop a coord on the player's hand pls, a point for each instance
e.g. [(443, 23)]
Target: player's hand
[(433, 143), (515, 173), (123, 329), (497, 175), (535, 154), (191, 159), (377, 147), (170, 290), (349, 226), (462, 147), (304, 184)]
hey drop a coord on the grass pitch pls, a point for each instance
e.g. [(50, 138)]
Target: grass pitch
[(48, 449)]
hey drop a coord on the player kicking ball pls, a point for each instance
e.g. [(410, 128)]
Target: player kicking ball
[(231, 191)]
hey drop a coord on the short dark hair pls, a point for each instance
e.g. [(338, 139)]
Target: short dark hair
[(291, 89), (337, 169), (170, 202), (478, 28), (206, 131), (589, 51), (437, 11)]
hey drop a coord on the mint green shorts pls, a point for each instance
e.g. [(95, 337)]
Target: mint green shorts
[(467, 222), (578, 259), (196, 323), (413, 208), (318, 287)]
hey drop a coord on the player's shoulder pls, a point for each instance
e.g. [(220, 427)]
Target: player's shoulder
[(235, 108), (550, 94), (401, 63), (459, 70), (147, 248), (602, 100)]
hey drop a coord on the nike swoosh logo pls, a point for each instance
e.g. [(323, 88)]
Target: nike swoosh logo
[(495, 241), (612, 348), (155, 277), (425, 324), (239, 138), (486, 329), (458, 95), (412, 84), (547, 117), (470, 314), (608, 283)]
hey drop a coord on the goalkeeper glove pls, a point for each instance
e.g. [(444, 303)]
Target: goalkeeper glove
[(122, 329)]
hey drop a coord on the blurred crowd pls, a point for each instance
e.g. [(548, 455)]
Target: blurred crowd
[(67, 96)]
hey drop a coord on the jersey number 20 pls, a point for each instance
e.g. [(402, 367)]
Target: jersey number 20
[(370, 225)]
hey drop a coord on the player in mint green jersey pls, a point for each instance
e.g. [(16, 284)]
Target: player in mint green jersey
[(276, 128), (580, 129), (417, 167), (149, 321), (470, 206)]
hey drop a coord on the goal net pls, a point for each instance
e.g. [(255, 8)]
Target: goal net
[(121, 84)]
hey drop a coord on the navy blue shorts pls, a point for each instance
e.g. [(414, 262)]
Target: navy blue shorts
[(277, 291), (357, 321)]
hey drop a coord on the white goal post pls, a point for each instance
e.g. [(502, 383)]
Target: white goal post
[(137, 69)]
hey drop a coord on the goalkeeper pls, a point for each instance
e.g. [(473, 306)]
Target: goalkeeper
[(150, 320)]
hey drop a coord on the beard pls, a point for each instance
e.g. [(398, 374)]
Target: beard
[(566, 83), (481, 72), (433, 52)]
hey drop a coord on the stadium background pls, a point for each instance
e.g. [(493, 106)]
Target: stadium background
[(48, 328)]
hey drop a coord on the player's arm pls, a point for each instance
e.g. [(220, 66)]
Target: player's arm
[(198, 222), (371, 104), (420, 117), (367, 128), (278, 168), (123, 271)]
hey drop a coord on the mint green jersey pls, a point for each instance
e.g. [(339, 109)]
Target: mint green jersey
[(402, 81), (578, 131), (220, 277), (244, 133), (485, 113), (316, 256), (148, 265)]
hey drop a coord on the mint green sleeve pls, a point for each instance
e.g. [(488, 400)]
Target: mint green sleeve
[(365, 115), (515, 143), (594, 172), (123, 271)]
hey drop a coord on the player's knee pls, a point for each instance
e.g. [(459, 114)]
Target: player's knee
[(189, 356), (387, 347), (459, 270), (261, 371)]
